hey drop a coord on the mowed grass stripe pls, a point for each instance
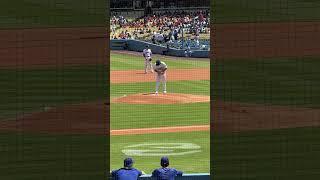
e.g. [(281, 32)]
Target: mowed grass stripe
[(130, 61), (40, 156), (277, 81), (230, 11), (287, 153), (47, 13), (125, 116), (187, 87), (24, 91)]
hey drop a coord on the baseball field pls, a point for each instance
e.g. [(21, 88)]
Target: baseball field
[(265, 85), (52, 92), (265, 63), (146, 126)]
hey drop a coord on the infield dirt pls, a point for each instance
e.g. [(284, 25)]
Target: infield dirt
[(132, 76), (168, 98)]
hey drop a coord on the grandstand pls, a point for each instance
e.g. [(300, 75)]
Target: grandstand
[(157, 4), (175, 24)]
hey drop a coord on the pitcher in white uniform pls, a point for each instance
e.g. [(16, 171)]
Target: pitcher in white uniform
[(147, 53), (161, 75)]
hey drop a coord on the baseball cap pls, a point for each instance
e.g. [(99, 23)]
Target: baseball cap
[(128, 162), (158, 62), (164, 161)]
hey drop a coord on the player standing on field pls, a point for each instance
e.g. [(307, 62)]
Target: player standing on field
[(161, 75), (147, 59)]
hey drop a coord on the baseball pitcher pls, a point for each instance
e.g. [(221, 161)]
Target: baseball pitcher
[(147, 60), (161, 75)]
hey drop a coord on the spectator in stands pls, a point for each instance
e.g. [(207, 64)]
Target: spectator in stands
[(165, 27), (165, 173), (188, 52), (127, 172)]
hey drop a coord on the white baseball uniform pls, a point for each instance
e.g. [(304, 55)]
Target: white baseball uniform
[(147, 60), (161, 76)]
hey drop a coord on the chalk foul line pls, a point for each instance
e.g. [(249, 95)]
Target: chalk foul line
[(160, 130)]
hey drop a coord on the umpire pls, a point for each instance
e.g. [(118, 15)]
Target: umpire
[(127, 172), (165, 173)]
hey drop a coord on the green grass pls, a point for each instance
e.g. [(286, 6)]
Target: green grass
[(275, 154), (192, 163), (278, 81), (48, 13), (125, 116), (129, 62), (24, 91), (189, 87), (51, 157), (231, 11)]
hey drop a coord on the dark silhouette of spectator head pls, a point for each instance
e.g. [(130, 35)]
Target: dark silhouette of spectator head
[(128, 163), (164, 162)]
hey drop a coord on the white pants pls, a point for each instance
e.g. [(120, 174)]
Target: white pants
[(161, 78), (148, 65)]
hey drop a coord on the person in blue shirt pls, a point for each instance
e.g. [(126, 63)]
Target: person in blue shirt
[(127, 172), (165, 173)]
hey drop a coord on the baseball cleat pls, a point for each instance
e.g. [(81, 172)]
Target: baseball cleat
[(164, 92)]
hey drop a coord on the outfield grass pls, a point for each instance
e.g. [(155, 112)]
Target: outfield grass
[(231, 11), (28, 90), (35, 156), (48, 13), (278, 81), (129, 62), (192, 163), (263, 155)]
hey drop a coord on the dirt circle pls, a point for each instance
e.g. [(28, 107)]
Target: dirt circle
[(168, 98)]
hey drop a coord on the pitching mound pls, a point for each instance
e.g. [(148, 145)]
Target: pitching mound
[(169, 98)]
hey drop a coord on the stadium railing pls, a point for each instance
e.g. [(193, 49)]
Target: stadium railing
[(198, 176), (138, 46)]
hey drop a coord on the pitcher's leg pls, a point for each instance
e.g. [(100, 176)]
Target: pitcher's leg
[(145, 66), (164, 87), (157, 87), (164, 83), (157, 83)]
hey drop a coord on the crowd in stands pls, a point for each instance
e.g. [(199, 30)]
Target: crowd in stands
[(178, 29), (130, 173)]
